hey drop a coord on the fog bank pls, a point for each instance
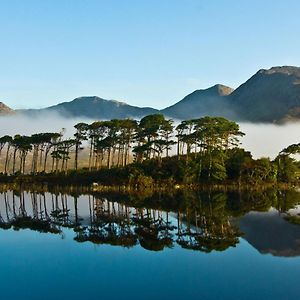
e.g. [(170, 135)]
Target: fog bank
[(263, 140), (45, 122), (267, 140)]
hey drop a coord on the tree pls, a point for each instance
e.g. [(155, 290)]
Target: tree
[(152, 137), (288, 168), (260, 170), (165, 131), (50, 140), (127, 134), (5, 140), (22, 145), (185, 137), (80, 136), (235, 160), (215, 136)]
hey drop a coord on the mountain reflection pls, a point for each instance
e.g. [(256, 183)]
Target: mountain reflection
[(270, 233), (202, 221)]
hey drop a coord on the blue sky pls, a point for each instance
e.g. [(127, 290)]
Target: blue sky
[(147, 53)]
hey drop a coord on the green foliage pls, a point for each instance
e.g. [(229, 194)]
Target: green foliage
[(142, 181), (130, 152), (259, 170), (288, 168), (235, 160)]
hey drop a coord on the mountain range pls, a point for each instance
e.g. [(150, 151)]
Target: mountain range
[(270, 96)]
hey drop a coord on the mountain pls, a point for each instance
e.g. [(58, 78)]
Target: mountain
[(211, 101), (96, 108), (271, 96), (5, 110)]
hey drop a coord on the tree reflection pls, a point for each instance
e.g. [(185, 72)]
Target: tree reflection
[(203, 221), (153, 229), (205, 224), (17, 217), (109, 224)]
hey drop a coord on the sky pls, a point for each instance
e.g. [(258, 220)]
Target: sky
[(146, 53)]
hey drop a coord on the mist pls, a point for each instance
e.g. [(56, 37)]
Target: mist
[(44, 122), (267, 140), (263, 140)]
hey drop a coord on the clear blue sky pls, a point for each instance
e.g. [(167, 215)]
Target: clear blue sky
[(147, 53)]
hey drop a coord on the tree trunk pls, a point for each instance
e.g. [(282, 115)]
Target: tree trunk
[(91, 153), (76, 155), (14, 160), (6, 159)]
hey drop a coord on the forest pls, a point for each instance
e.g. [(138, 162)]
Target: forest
[(144, 153)]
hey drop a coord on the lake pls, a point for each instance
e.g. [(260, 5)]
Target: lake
[(73, 243)]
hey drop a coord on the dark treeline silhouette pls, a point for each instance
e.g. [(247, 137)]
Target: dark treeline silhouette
[(201, 221), (200, 150)]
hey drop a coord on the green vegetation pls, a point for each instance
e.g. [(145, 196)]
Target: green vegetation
[(151, 152)]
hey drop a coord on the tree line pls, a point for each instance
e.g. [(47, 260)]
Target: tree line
[(207, 147)]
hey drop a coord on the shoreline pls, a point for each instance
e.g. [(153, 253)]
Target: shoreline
[(89, 183)]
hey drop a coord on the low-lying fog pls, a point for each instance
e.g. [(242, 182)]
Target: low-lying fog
[(45, 122), (267, 140), (261, 139)]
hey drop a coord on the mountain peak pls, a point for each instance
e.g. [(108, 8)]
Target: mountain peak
[(213, 91), (96, 99), (222, 90), (4, 109), (287, 70), (200, 103)]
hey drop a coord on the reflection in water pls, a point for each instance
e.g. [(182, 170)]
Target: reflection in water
[(271, 233), (208, 226), (203, 221)]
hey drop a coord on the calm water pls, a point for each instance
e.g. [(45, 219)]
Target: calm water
[(118, 246)]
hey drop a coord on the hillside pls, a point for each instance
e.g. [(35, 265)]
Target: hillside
[(269, 96), (211, 101), (96, 108), (5, 110)]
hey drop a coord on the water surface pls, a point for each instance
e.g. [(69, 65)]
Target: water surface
[(117, 246)]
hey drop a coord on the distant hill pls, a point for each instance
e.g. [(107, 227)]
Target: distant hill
[(271, 96), (5, 110), (210, 101), (96, 108)]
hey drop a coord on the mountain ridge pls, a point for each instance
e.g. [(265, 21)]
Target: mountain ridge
[(95, 107), (269, 96), (206, 100)]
